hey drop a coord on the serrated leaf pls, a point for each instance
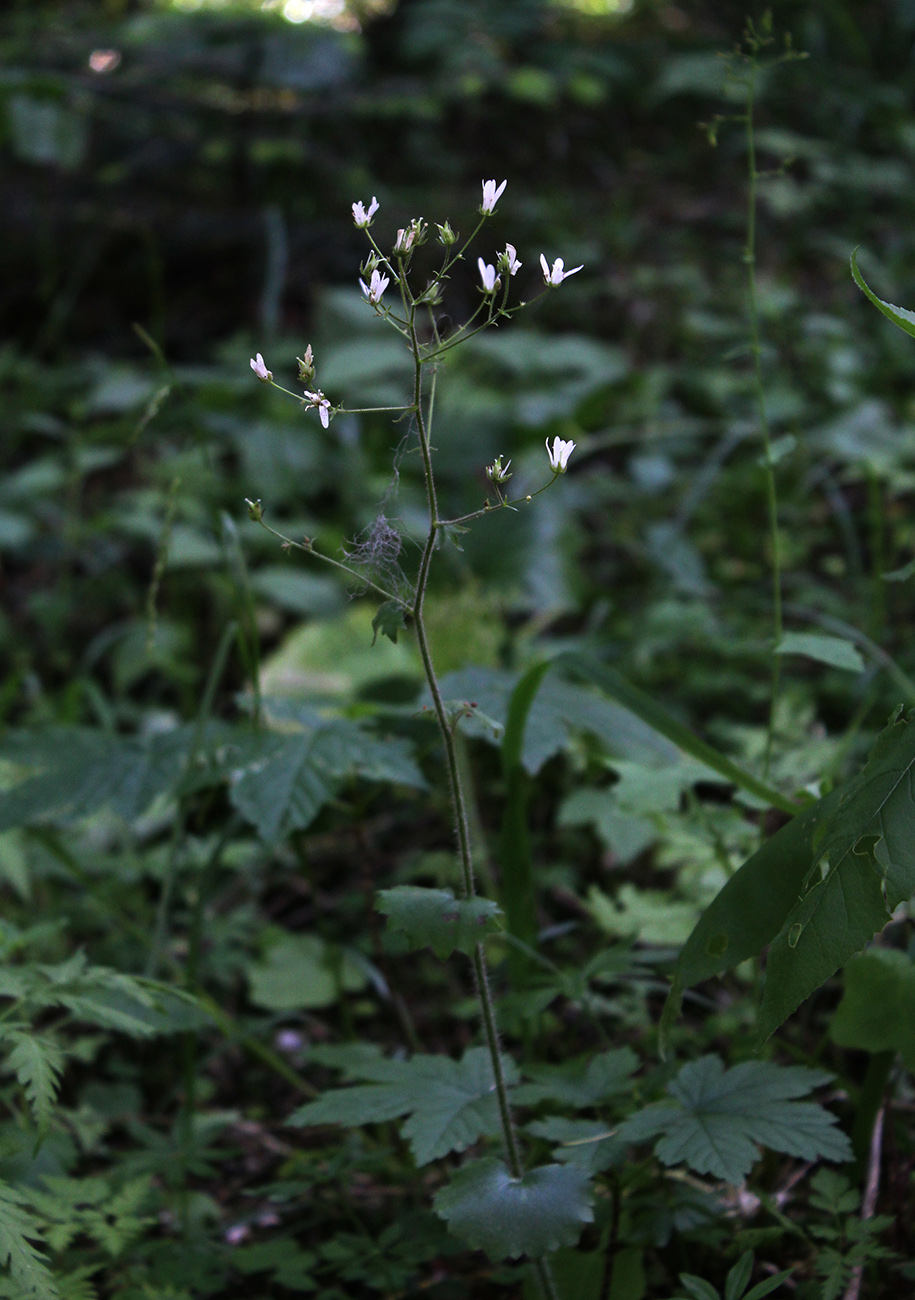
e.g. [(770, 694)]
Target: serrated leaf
[(28, 1267), (835, 651), (877, 1011), (507, 1217), (38, 1064), (587, 1143), (434, 918), (585, 1081), (717, 1117), (900, 316), (449, 1103), (865, 848)]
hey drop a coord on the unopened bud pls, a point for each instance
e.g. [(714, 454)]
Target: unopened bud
[(446, 235), (306, 366), (255, 510)]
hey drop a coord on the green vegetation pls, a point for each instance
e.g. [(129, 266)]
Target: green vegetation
[(583, 964)]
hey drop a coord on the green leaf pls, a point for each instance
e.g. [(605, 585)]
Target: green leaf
[(507, 1217), (736, 1281), (449, 1103), (900, 316), (832, 650), (698, 1288), (768, 1285), (718, 1116), (38, 1064), (388, 620), (646, 707), (864, 848), (28, 1268), (434, 918), (587, 1143), (580, 1083), (751, 908), (303, 972), (877, 1011)]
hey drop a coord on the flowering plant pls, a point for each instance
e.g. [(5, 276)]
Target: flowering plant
[(413, 317)]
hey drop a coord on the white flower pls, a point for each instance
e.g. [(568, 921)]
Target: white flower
[(488, 276), (508, 261), (362, 218), (375, 288), (559, 456), (321, 404), (263, 374), (404, 241), (556, 274), (491, 195)]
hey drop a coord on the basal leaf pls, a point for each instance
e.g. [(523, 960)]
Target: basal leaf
[(900, 316), (877, 1011), (507, 1216), (449, 1103), (718, 1118), (587, 1143), (586, 1081), (434, 918)]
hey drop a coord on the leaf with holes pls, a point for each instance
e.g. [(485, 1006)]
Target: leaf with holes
[(864, 860), (507, 1217), (717, 1117), (449, 1103), (434, 918)]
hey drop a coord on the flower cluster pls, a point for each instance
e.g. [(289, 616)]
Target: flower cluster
[(379, 271)]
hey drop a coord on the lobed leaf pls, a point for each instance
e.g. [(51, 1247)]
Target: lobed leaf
[(718, 1118), (449, 1103), (434, 918)]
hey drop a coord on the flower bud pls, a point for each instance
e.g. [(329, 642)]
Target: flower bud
[(306, 366), (497, 472), (446, 235), (255, 510)]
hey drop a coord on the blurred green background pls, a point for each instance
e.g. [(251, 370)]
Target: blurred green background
[(188, 168)]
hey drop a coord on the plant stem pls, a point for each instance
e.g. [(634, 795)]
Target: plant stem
[(749, 258), (459, 808)]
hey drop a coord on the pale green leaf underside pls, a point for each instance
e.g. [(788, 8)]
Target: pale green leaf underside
[(507, 1217)]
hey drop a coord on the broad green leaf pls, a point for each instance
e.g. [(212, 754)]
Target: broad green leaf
[(449, 1103), (38, 1064), (900, 316), (832, 650), (623, 833), (579, 1083), (738, 1277), (877, 1011), (866, 845), (434, 918), (303, 972), (650, 915), (717, 1117), (507, 1217)]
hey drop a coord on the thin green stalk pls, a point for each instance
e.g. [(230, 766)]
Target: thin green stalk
[(769, 464), (459, 808)]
